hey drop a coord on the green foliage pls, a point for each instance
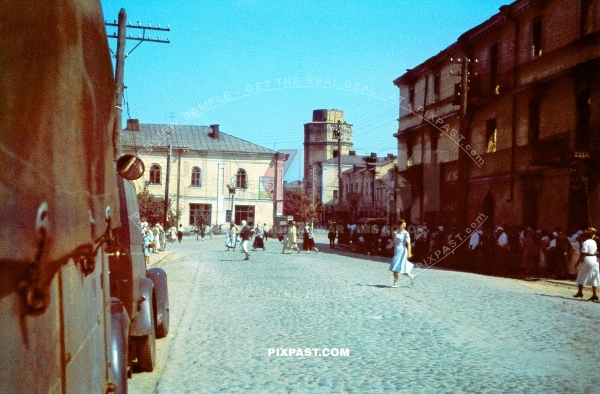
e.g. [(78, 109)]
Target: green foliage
[(152, 209), (303, 210)]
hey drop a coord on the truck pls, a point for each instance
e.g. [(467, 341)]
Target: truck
[(77, 310)]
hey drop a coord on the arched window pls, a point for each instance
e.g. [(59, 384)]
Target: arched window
[(240, 179), (196, 176), (155, 174)]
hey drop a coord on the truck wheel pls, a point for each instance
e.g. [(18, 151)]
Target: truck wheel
[(119, 361), (146, 348)]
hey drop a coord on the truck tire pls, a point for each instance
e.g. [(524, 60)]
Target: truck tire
[(146, 349), (119, 347)]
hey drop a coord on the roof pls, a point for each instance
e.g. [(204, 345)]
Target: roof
[(359, 160), (197, 138)]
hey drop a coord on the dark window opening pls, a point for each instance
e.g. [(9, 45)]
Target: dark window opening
[(534, 121), (494, 67), (196, 176), (411, 98), (582, 133), (240, 179), (536, 37), (491, 134), (436, 88), (155, 174), (335, 153), (200, 214), (244, 212), (586, 17)]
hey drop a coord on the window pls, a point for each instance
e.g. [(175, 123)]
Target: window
[(335, 194), (244, 212), (490, 135), (335, 153), (495, 88), (586, 17), (155, 174), (411, 98), (583, 113), (200, 213), (536, 37), (457, 93), (409, 153), (240, 180), (436, 87), (534, 121), (196, 176)]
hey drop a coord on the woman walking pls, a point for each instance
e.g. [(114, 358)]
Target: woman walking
[(292, 238), (231, 237), (148, 245), (310, 239), (258, 238), (402, 252), (588, 272)]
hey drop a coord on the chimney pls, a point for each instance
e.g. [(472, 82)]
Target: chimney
[(352, 153), (133, 125), (214, 131), (391, 156), (373, 155)]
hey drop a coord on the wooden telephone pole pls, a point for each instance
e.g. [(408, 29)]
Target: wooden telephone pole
[(120, 56)]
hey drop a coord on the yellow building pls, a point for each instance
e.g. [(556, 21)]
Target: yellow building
[(213, 175)]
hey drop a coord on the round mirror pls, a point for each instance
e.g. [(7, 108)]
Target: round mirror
[(130, 167)]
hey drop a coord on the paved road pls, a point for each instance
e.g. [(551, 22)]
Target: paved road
[(449, 332)]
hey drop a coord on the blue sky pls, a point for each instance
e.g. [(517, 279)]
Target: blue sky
[(259, 68)]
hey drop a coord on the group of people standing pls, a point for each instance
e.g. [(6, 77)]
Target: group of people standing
[(155, 238), (259, 233)]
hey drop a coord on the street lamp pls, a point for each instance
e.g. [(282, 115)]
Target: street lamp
[(231, 194)]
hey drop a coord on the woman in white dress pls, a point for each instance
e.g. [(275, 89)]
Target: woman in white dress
[(588, 272), (402, 252), (231, 237)]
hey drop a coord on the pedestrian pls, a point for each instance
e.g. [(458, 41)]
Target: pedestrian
[(331, 236), (173, 234), (180, 233), (292, 238), (265, 231), (588, 271), (156, 234), (202, 229), (310, 239), (402, 252), (258, 238), (231, 237), (305, 244), (245, 234), (148, 244)]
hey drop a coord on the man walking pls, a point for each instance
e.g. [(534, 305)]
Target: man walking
[(245, 235)]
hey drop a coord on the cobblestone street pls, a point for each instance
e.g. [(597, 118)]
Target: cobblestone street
[(449, 332)]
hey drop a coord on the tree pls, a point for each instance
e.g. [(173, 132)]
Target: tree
[(301, 207), (152, 209)]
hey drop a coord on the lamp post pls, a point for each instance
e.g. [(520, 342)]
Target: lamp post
[(231, 194), (337, 133)]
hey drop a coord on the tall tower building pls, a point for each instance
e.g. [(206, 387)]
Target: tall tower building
[(320, 143)]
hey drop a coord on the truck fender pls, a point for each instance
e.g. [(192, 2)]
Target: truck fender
[(161, 295), (142, 324)]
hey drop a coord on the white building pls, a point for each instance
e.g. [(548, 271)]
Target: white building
[(207, 166)]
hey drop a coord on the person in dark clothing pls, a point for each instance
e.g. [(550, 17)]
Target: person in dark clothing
[(180, 233), (245, 235)]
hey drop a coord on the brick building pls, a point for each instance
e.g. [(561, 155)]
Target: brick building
[(506, 121)]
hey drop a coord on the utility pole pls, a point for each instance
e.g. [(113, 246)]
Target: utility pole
[(338, 135), (120, 56), (312, 198), (463, 160), (178, 181), (166, 206)]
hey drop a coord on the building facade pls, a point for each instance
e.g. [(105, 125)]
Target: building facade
[(213, 176), (506, 121)]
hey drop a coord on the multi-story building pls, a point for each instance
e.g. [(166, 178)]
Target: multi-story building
[(369, 188), (212, 175), (506, 121), (322, 140)]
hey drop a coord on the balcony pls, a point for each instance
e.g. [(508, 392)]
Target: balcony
[(557, 151)]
